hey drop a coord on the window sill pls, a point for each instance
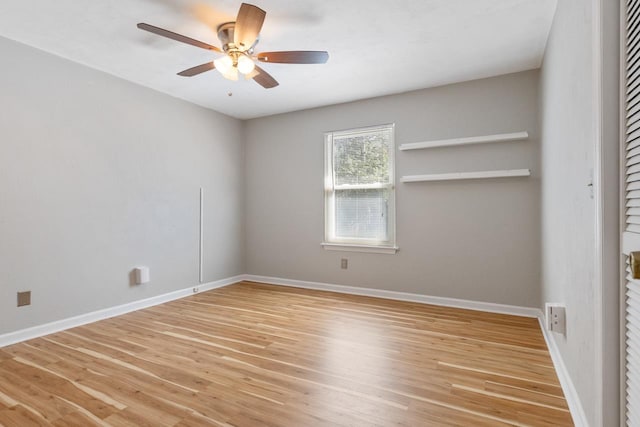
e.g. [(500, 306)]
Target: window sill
[(347, 247)]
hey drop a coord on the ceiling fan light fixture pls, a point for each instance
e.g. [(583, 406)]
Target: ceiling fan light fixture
[(232, 74), (224, 64), (245, 64)]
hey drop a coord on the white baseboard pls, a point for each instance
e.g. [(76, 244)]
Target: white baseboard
[(401, 296), (570, 393), (83, 319)]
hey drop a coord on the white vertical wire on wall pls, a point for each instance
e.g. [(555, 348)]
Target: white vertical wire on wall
[(201, 249)]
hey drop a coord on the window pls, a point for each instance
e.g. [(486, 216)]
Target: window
[(359, 190)]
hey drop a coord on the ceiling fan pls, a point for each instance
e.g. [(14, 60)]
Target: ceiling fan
[(239, 40)]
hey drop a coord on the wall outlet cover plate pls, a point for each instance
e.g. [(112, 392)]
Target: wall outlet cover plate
[(24, 298), (556, 317)]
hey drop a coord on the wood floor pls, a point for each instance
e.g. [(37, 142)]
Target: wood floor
[(259, 355)]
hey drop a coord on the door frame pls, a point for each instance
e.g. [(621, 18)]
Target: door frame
[(609, 218), (611, 105), (621, 195)]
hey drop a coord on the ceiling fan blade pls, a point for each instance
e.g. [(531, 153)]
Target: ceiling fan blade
[(178, 37), (264, 79), (198, 69), (248, 25), (295, 57)]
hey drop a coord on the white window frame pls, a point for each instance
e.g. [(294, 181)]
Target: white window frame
[(331, 242)]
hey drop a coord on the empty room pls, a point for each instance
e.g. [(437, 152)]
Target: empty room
[(320, 213)]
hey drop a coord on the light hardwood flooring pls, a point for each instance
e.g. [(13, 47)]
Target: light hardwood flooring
[(252, 355)]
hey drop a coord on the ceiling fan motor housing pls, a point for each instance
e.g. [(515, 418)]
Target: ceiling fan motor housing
[(225, 34)]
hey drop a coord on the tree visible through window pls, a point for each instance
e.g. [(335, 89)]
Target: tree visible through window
[(359, 193)]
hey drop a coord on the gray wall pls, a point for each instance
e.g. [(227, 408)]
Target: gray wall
[(476, 240), (568, 209), (98, 175)]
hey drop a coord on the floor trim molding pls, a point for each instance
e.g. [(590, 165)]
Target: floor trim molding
[(83, 319), (401, 296), (569, 390)]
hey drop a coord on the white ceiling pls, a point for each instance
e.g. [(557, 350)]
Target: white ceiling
[(375, 47)]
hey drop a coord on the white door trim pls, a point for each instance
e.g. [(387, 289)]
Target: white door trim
[(607, 190)]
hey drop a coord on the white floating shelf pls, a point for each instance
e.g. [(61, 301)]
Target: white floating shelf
[(516, 136), (466, 175)]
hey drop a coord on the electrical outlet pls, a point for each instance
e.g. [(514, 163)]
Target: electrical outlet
[(24, 298), (556, 317), (344, 263)]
